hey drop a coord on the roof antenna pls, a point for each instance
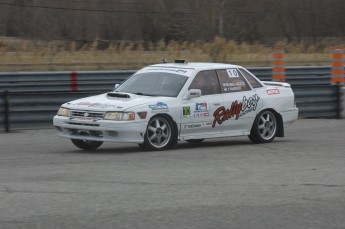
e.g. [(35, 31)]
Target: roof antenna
[(164, 60)]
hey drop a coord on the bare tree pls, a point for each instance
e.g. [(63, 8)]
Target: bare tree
[(154, 20)]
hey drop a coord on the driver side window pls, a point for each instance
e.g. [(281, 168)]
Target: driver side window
[(207, 82)]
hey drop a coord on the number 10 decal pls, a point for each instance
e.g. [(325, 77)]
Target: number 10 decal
[(232, 73)]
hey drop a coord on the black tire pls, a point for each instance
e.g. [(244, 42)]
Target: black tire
[(160, 134), (142, 146), (86, 145), (264, 128), (195, 140)]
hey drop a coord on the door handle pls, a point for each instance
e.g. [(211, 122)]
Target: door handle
[(216, 103)]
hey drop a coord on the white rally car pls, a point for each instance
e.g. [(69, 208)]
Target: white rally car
[(163, 103)]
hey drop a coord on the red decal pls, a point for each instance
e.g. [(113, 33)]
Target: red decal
[(273, 91), (222, 114)]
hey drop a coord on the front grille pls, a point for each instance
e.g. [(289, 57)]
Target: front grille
[(82, 133), (82, 124), (87, 114)]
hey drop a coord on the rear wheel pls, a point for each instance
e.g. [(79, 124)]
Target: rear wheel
[(86, 145), (160, 134), (264, 128)]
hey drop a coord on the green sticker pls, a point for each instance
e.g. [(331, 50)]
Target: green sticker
[(186, 110)]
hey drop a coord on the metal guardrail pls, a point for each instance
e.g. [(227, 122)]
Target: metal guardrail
[(61, 81), (32, 99)]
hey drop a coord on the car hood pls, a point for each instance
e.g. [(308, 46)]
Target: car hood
[(113, 101)]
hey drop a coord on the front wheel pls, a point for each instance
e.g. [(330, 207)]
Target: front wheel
[(264, 128), (160, 134), (86, 145)]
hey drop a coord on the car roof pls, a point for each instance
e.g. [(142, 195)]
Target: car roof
[(196, 65)]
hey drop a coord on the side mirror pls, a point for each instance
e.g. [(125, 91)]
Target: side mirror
[(193, 93), (116, 86)]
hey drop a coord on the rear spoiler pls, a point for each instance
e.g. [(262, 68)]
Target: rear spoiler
[(277, 84)]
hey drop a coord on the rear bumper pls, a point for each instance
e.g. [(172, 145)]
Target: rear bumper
[(289, 116)]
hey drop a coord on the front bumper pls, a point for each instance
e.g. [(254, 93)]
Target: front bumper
[(101, 130)]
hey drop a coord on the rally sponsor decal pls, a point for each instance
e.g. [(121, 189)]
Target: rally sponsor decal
[(198, 115), (186, 111), (222, 114), (201, 107), (159, 107), (229, 87), (97, 105), (250, 104), (236, 110), (201, 110), (196, 110), (273, 91), (182, 71), (192, 126), (196, 125)]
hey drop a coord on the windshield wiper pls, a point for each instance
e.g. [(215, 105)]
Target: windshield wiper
[(139, 93)]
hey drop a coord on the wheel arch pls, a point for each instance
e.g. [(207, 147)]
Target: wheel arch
[(176, 132), (167, 116)]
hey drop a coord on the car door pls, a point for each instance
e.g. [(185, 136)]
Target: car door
[(197, 113), (240, 102)]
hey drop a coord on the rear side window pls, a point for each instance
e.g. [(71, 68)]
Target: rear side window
[(232, 81), (254, 82)]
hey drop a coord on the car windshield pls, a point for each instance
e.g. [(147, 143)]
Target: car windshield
[(154, 84)]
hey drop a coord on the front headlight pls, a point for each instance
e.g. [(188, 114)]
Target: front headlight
[(119, 116), (63, 112)]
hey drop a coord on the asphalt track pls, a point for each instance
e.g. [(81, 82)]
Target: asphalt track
[(294, 182)]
